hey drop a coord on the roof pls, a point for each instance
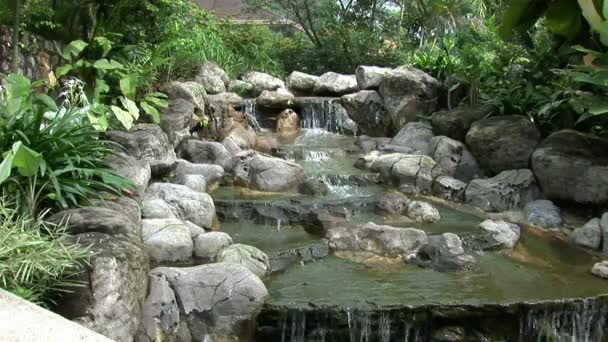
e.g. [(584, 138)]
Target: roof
[(236, 10)]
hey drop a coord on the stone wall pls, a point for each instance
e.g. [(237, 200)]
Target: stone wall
[(38, 56)]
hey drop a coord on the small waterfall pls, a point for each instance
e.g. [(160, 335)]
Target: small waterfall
[(327, 114), (251, 114), (317, 156)]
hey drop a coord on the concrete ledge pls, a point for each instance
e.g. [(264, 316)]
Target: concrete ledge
[(22, 321)]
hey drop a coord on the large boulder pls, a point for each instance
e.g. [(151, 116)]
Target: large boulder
[(393, 203), (279, 98), (498, 234), (221, 101), (413, 173), (205, 152), (115, 275), (241, 88), (212, 77), (544, 214), (176, 120), (503, 142), (136, 171), (573, 166), (215, 302), (262, 81), (456, 123), (449, 188), (190, 91), (445, 253), (379, 240), (209, 245), (301, 82), (265, 173), (248, 256), (370, 77), (600, 269), (147, 143), (508, 190), (211, 173), (366, 108), (167, 240), (331, 83), (454, 158), (423, 212), (288, 123), (416, 136), (589, 235), (185, 204), (408, 92)]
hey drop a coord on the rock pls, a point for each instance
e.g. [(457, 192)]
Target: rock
[(224, 100), (247, 256), (215, 303), (280, 98), (413, 173), (262, 81), (186, 204), (454, 158), (604, 226), (157, 209), (241, 88), (212, 77), (449, 188), (508, 190), (503, 142), (335, 84), (380, 240), (301, 82), (367, 161), (450, 334), (392, 203), (456, 123), (366, 108), (600, 269), (147, 143), (370, 77), (195, 230), (499, 234), (589, 235), (573, 166), (266, 144), (408, 92), (265, 173), (423, 212), (167, 240), (242, 137), (445, 253), (115, 276), (543, 213), (174, 119), (134, 170), (211, 173), (205, 152), (416, 136), (190, 91), (369, 144), (288, 123), (207, 246), (313, 187), (194, 182)]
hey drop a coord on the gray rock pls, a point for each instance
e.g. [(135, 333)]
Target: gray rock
[(543, 213), (212, 77), (193, 182), (335, 84), (157, 209), (313, 187), (279, 98), (205, 152), (367, 161), (186, 204), (224, 100), (450, 334), (423, 212), (408, 92), (211, 173), (109, 221), (301, 82), (241, 88), (262, 81), (508, 190), (216, 302), (195, 230), (370, 77), (600, 269), (415, 135), (147, 143), (247, 256), (380, 240), (190, 91), (231, 146), (136, 171), (366, 108), (393, 203), (209, 245), (176, 119), (499, 234), (589, 235), (445, 253), (265, 173), (167, 240), (454, 158), (503, 142), (244, 138), (413, 173), (604, 226), (456, 123), (573, 166), (449, 188)]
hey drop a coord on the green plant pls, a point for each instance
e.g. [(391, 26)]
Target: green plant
[(52, 156), (37, 259)]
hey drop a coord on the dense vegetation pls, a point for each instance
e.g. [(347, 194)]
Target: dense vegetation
[(538, 58)]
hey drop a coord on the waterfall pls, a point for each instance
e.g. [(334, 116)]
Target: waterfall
[(317, 156), (251, 114), (326, 114)]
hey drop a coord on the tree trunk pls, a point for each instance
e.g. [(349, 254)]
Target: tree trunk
[(15, 38)]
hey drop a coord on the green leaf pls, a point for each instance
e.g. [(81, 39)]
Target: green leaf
[(103, 64), (5, 167), (73, 49), (63, 70), (125, 118), (162, 95), (127, 87), (25, 159), (564, 18), (158, 103), (101, 87), (153, 112), (130, 106), (46, 101), (99, 122), (105, 43)]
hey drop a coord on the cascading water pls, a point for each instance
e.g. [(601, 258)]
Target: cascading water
[(326, 114), (250, 112)]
